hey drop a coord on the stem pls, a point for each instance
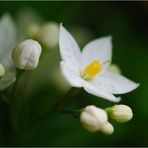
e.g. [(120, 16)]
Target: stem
[(17, 97), (58, 107), (69, 95), (16, 84), (74, 113)]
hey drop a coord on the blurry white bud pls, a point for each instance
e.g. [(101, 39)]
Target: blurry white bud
[(83, 35), (114, 68), (49, 34), (33, 30), (120, 113), (93, 118), (26, 54), (2, 70), (107, 129)]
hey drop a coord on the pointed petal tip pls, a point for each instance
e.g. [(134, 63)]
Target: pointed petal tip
[(102, 94), (136, 86), (61, 28), (61, 24), (109, 38)]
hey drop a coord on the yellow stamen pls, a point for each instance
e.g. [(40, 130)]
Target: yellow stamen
[(91, 70)]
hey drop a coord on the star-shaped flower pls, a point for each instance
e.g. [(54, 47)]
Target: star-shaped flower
[(89, 68)]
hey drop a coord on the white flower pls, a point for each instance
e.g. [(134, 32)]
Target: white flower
[(88, 69), (93, 118), (26, 54), (120, 113), (107, 129), (8, 38), (2, 70)]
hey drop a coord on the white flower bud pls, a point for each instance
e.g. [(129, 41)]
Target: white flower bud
[(26, 54), (49, 34), (93, 118), (120, 113), (33, 30), (2, 70), (107, 129), (114, 68)]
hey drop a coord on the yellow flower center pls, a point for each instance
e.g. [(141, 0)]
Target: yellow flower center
[(92, 69)]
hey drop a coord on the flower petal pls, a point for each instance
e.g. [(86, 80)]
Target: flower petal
[(70, 75), (69, 49), (99, 93), (7, 37), (100, 49), (113, 83)]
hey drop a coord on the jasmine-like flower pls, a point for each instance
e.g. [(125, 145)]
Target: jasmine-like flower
[(26, 54), (93, 118), (120, 113), (107, 129), (89, 68)]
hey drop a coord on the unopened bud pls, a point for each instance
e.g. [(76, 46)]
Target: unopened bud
[(49, 34), (26, 54), (120, 113), (93, 118), (2, 70), (114, 68), (107, 129), (33, 30)]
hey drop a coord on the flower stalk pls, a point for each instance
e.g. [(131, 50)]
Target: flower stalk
[(67, 97)]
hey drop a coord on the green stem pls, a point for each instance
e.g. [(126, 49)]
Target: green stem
[(74, 113), (16, 84), (68, 96), (58, 107), (17, 97)]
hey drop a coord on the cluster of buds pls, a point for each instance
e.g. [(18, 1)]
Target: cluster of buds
[(95, 119), (47, 34)]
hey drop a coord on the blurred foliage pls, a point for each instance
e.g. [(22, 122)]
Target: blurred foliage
[(127, 22)]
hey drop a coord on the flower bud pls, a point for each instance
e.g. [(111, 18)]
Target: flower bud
[(2, 70), (114, 68), (26, 54), (49, 34), (33, 30), (93, 118), (107, 129), (120, 113)]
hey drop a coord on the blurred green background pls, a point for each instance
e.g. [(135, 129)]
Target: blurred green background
[(127, 22)]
